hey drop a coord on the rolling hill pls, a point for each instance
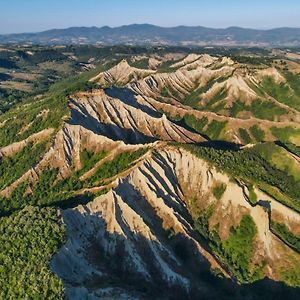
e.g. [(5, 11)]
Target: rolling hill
[(143, 34), (156, 176)]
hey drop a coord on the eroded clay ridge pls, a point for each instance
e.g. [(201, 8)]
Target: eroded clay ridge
[(125, 234), (206, 76), (122, 115), (100, 121)]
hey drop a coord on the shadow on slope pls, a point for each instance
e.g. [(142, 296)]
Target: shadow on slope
[(128, 97), (111, 131), (105, 261)]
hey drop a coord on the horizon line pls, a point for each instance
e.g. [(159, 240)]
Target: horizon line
[(154, 25)]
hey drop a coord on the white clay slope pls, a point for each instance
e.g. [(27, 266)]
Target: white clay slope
[(129, 224), (122, 73), (116, 118)]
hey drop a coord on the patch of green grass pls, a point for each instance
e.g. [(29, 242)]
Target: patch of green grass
[(237, 107), (164, 92), (291, 276), (280, 157), (237, 251), (292, 148), (287, 93), (257, 133), (201, 221), (266, 110), (88, 159), (215, 129), (140, 64), (252, 195), (193, 99), (260, 109), (195, 123), (287, 134), (111, 168), (165, 67), (245, 135), (213, 102), (28, 240), (218, 190)]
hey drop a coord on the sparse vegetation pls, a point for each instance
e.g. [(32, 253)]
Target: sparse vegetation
[(282, 231), (88, 159), (291, 275), (287, 93), (215, 129), (48, 191), (261, 109), (197, 124), (250, 166), (287, 134), (237, 250), (30, 223)]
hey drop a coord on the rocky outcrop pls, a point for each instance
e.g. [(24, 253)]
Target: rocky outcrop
[(122, 73), (119, 115)]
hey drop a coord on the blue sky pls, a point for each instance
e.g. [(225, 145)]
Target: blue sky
[(37, 15)]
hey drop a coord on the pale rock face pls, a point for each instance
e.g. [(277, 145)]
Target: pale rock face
[(236, 88), (182, 80), (115, 117), (122, 73), (100, 122), (154, 63), (231, 80), (194, 60), (123, 230), (187, 60), (271, 72)]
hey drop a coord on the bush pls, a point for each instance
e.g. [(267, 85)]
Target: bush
[(218, 190)]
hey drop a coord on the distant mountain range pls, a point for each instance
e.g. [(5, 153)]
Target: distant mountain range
[(146, 34)]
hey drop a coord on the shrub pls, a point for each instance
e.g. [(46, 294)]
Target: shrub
[(218, 190)]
